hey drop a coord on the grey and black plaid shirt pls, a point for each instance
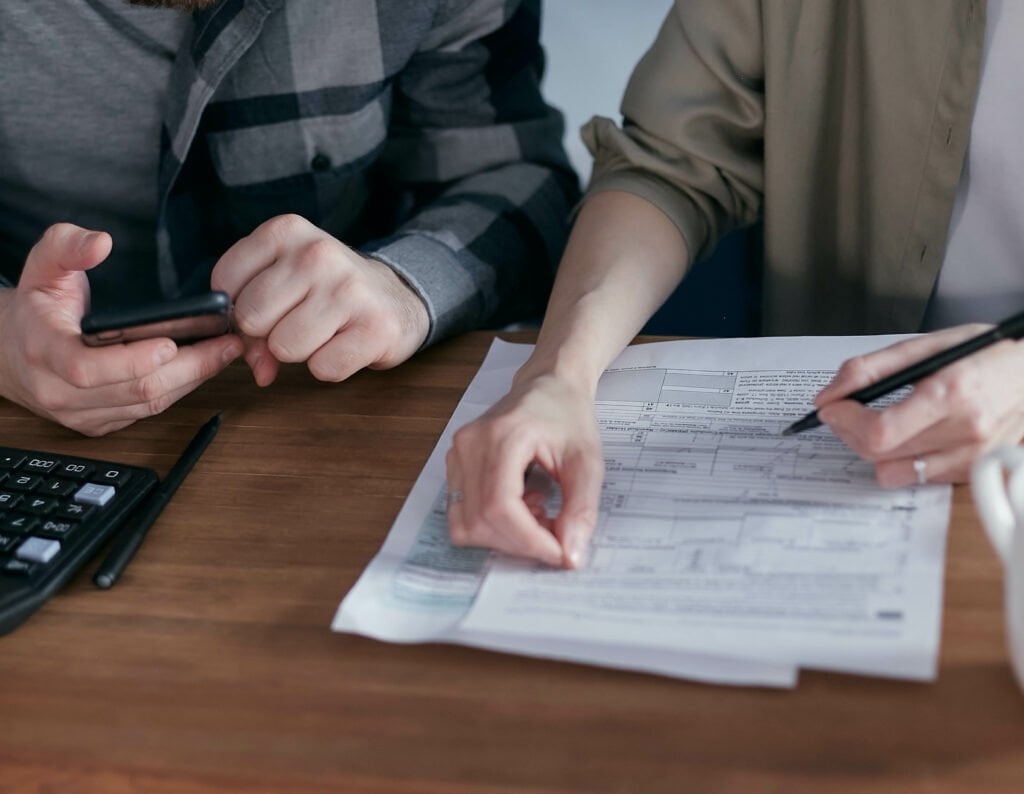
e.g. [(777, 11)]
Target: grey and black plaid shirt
[(411, 129)]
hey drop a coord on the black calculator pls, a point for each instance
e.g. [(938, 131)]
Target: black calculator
[(55, 513)]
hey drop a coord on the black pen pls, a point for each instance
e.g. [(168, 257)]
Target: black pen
[(131, 537), (1012, 328)]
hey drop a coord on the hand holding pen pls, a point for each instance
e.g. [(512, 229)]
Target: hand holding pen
[(960, 407)]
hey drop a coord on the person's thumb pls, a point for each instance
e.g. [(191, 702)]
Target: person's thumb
[(64, 250), (580, 479)]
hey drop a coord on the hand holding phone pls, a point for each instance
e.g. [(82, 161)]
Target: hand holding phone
[(45, 366), (184, 320)]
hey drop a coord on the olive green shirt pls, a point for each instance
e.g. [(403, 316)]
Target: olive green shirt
[(843, 122)]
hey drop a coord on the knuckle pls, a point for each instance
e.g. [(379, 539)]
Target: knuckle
[(56, 234), (501, 425), (210, 364), (55, 401), (467, 438), (854, 369), (458, 534), (284, 226), (92, 430), (325, 370), (282, 351), (497, 509), (249, 319), (957, 390), (933, 389), (148, 389), (158, 405), (316, 257), (383, 325), (979, 425), (34, 351), (460, 440), (77, 373), (877, 437), (355, 289)]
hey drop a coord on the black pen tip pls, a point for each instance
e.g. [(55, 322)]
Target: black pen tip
[(788, 431)]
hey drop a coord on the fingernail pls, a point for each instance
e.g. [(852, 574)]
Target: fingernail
[(575, 546), (231, 352), (164, 354), (86, 240)]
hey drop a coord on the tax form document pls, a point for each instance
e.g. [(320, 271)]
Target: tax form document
[(718, 540)]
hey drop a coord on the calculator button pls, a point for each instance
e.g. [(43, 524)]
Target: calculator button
[(39, 505), (59, 487), (11, 460), (77, 471), (38, 550), (110, 476), (17, 567), (8, 499), (93, 494), (56, 529), (22, 482), (41, 465), (73, 510), (7, 541), (14, 522)]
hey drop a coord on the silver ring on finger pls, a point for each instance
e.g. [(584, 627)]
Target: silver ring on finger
[(921, 469), (453, 497)]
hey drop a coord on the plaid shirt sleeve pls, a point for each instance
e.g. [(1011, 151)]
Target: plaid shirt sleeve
[(477, 157)]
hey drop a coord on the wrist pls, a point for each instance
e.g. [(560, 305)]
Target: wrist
[(562, 365), (413, 316), (575, 345)]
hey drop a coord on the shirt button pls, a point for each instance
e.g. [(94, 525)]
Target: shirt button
[(320, 162)]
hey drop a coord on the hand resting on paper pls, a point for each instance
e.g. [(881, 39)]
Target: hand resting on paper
[(546, 420)]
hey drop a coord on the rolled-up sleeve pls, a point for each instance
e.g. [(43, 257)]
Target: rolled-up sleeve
[(692, 138), (479, 155)]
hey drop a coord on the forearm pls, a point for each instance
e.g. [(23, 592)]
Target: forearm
[(623, 260)]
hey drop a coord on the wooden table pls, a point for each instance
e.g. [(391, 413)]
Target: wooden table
[(210, 666)]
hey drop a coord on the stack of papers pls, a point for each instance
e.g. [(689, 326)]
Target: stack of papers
[(723, 552)]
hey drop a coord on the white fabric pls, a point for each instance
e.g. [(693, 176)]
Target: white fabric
[(982, 278)]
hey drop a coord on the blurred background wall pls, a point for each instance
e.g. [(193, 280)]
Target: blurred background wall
[(592, 47)]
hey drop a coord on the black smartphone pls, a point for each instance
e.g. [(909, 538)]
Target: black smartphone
[(183, 320)]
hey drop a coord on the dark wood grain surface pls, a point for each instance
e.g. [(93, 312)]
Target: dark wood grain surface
[(210, 667)]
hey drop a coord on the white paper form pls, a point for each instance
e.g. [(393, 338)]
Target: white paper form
[(717, 534), (420, 587)]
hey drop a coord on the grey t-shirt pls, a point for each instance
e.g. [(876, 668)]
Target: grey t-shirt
[(82, 87)]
